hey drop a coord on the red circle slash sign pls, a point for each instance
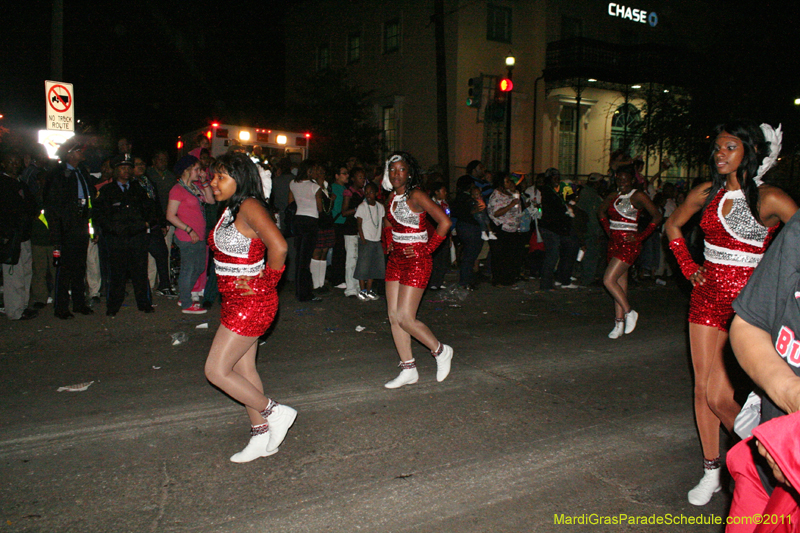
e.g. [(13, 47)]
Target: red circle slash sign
[(59, 102)]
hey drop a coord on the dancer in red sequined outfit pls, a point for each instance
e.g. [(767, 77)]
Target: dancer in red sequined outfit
[(249, 300), (410, 244), (619, 215), (740, 215)]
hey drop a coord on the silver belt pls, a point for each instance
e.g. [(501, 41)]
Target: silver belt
[(726, 256), (617, 225), (232, 269), (422, 236)]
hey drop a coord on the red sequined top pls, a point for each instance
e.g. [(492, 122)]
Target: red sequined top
[(737, 239), (622, 215), (235, 254), (407, 226)]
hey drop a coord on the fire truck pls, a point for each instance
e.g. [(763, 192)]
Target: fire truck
[(273, 143)]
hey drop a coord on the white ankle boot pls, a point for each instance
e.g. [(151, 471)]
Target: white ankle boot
[(280, 421), (708, 486), (618, 331), (257, 447), (408, 376), (443, 363), (630, 321)]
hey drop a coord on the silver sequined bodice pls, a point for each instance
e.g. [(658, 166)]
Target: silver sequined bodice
[(740, 222), (403, 214), (235, 254), (624, 206)]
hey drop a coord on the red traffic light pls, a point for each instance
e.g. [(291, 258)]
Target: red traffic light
[(505, 85)]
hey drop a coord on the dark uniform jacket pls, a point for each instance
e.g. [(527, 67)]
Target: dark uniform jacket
[(67, 216), (124, 214)]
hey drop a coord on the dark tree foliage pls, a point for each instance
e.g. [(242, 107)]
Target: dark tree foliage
[(677, 128), (338, 115)]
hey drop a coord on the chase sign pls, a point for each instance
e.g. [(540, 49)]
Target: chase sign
[(633, 14)]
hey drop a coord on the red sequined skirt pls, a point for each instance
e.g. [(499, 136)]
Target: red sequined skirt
[(625, 251), (409, 271), (252, 315), (711, 303)]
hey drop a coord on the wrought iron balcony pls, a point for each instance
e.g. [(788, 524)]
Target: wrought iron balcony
[(614, 63)]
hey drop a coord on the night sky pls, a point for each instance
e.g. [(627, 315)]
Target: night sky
[(151, 69)]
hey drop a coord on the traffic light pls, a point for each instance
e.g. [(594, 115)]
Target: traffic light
[(475, 91), (502, 88)]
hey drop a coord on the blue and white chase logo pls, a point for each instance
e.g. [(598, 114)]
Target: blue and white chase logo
[(633, 14)]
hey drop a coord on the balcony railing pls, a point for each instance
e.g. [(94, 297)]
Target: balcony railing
[(589, 58)]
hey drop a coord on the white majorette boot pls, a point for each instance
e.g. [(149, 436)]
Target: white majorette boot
[(257, 447), (630, 321), (444, 355), (280, 418), (709, 484), (408, 375), (619, 329)]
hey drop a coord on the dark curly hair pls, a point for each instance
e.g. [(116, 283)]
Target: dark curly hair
[(414, 171), (756, 148), (248, 181)]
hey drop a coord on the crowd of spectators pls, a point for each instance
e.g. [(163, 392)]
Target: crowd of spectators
[(79, 227)]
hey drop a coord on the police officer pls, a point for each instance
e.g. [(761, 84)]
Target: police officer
[(68, 208), (125, 215)]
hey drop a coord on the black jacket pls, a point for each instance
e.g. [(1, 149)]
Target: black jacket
[(124, 214), (17, 208), (554, 213), (67, 216), (462, 208)]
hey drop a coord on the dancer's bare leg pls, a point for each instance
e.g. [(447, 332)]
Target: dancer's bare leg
[(402, 340), (408, 301), (246, 367), (615, 280), (713, 391), (403, 302), (231, 367)]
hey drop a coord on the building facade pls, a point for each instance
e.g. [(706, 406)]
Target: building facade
[(583, 75)]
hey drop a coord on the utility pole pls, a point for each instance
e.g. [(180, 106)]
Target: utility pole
[(443, 141), (510, 62), (57, 41)]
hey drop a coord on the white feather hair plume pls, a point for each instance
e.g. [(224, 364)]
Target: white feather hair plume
[(774, 137), (386, 184), (266, 181)]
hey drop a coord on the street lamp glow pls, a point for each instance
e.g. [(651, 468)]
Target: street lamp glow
[(796, 102), (636, 86), (510, 61), (591, 80)]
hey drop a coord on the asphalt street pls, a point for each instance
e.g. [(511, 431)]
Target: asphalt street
[(544, 424)]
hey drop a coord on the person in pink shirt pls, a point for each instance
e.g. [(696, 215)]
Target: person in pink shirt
[(185, 212)]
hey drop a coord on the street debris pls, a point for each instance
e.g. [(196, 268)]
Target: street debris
[(179, 338), (80, 387)]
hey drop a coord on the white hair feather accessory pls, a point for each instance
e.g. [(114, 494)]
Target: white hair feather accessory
[(266, 181), (385, 183), (774, 137)]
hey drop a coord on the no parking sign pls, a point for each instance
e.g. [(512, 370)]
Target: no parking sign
[(60, 106)]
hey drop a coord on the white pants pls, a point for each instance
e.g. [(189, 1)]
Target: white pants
[(17, 283), (93, 278), (351, 258)]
